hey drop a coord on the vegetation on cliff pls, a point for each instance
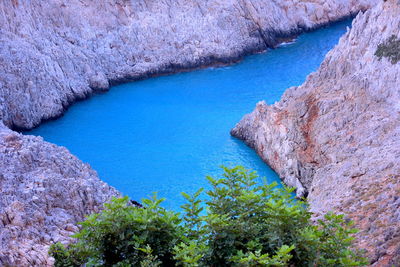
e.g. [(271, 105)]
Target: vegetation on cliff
[(247, 223), (389, 49)]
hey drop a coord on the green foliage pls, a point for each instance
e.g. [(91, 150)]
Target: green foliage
[(64, 257), (125, 235), (246, 223), (281, 258), (389, 49), (246, 216), (328, 243)]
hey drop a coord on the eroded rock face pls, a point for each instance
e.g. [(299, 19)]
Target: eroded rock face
[(45, 191), (54, 52), (337, 137)]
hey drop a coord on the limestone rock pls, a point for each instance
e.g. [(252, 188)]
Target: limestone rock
[(99, 82), (45, 191), (336, 137), (55, 52)]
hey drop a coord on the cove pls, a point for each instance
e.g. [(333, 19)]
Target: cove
[(165, 134)]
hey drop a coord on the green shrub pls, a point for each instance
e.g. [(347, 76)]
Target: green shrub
[(389, 49), (125, 235), (246, 224)]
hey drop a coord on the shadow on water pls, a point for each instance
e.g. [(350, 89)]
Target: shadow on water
[(167, 133)]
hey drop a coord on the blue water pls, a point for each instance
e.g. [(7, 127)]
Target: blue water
[(166, 134)]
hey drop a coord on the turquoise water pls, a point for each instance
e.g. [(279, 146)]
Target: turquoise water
[(166, 134)]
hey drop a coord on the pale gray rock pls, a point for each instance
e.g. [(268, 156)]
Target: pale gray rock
[(336, 137), (55, 52), (99, 82), (45, 191)]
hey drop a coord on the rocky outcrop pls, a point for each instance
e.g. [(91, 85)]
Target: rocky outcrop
[(54, 52), (337, 137), (45, 191)]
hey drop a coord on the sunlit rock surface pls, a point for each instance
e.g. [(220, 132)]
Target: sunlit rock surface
[(337, 137), (45, 191), (54, 52)]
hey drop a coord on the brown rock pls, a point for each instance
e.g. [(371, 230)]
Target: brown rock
[(336, 137)]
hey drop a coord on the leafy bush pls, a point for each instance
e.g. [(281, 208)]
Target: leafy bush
[(124, 235), (389, 49), (246, 224)]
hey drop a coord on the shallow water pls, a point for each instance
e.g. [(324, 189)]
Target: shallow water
[(165, 134)]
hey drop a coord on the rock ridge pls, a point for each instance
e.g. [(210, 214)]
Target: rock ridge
[(336, 137), (45, 191), (56, 52)]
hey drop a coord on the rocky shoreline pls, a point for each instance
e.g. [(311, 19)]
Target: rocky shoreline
[(210, 62), (56, 52), (45, 191), (336, 137)]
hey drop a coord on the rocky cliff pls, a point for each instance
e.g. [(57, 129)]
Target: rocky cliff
[(54, 52), (337, 137), (45, 191)]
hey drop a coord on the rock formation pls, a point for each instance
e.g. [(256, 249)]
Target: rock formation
[(45, 191), (55, 52), (337, 137)]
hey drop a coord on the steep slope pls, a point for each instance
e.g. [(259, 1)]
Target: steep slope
[(54, 52), (336, 137), (45, 191)]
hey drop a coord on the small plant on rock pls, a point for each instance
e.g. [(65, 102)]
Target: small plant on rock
[(389, 49)]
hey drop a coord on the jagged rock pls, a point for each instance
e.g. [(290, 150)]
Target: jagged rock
[(54, 52), (99, 82), (336, 137), (45, 191)]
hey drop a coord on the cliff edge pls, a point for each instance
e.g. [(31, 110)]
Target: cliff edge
[(336, 137), (45, 191), (55, 52)]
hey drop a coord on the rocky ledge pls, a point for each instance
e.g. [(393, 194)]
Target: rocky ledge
[(337, 137), (45, 191), (55, 52)]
